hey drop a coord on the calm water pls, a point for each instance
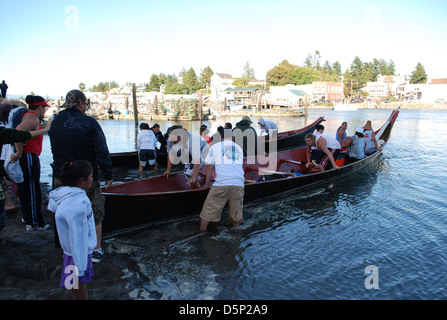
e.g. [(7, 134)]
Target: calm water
[(315, 244)]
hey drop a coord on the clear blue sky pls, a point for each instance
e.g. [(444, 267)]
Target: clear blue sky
[(49, 47)]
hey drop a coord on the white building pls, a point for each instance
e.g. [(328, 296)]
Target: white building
[(288, 95), (219, 83), (385, 86)]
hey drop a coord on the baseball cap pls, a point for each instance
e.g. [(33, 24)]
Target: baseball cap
[(247, 118), (73, 98)]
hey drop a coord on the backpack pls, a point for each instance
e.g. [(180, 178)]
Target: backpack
[(15, 116)]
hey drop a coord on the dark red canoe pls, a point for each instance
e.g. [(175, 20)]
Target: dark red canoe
[(285, 140), (140, 203)]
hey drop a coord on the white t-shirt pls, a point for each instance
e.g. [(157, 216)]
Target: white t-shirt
[(227, 157), (331, 143), (146, 140)]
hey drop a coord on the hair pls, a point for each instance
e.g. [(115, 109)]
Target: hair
[(228, 125), (359, 134), (73, 172), (144, 126), (203, 127), (170, 129), (344, 122), (319, 127), (309, 136), (33, 99), (4, 112)]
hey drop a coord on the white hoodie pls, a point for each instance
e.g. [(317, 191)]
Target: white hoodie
[(75, 224)]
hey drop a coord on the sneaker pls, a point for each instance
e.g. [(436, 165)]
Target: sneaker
[(46, 227), (28, 227), (98, 255)]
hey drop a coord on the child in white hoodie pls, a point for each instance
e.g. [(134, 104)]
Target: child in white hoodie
[(75, 226)]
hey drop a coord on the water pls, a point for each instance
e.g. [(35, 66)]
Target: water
[(315, 244)]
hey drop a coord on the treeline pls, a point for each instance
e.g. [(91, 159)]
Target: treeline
[(313, 69), (355, 77)]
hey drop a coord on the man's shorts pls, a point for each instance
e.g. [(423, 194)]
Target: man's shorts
[(217, 199), (96, 198), (147, 156), (325, 162)]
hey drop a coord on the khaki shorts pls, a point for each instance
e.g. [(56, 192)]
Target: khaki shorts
[(95, 196), (217, 199)]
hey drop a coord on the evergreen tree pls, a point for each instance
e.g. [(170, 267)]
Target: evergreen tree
[(190, 80), (205, 77), (419, 75), (249, 72), (154, 84), (336, 67), (304, 75)]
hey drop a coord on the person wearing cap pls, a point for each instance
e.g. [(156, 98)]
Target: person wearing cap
[(29, 191), (356, 145), (247, 138), (76, 136), (370, 137), (227, 159)]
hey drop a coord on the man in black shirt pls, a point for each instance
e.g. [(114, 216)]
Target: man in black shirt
[(76, 136)]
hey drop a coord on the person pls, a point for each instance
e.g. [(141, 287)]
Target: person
[(3, 89), (227, 159), (8, 135), (146, 144), (76, 136), (228, 125), (29, 191), (356, 145), (247, 138), (315, 153), (188, 147), (160, 138), (267, 126), (341, 135), (204, 133), (75, 226), (329, 146), (370, 137)]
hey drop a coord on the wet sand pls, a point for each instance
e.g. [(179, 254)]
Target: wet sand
[(31, 264)]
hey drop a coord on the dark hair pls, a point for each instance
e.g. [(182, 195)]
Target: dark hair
[(73, 172), (144, 126), (4, 112), (228, 125), (33, 99), (319, 127), (170, 129), (203, 127)]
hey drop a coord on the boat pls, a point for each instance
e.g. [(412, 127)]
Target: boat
[(137, 204), (345, 107), (285, 140)]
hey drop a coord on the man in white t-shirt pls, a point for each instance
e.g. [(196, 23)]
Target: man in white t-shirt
[(227, 159)]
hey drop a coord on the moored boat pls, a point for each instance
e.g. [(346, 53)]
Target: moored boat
[(155, 199)]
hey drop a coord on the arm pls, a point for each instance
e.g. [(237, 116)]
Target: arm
[(195, 173), (102, 153), (29, 123), (322, 146), (209, 173), (347, 142), (373, 137), (308, 157)]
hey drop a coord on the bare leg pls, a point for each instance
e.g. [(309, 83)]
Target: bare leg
[(81, 293)]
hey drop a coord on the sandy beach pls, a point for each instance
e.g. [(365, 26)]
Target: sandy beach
[(31, 264)]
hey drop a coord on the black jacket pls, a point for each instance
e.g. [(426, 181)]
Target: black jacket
[(76, 136)]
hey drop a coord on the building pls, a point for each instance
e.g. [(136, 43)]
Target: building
[(288, 96), (219, 83), (323, 90), (385, 86)]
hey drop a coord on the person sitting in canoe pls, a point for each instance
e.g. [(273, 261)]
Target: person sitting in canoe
[(188, 148), (328, 145), (356, 145), (370, 137)]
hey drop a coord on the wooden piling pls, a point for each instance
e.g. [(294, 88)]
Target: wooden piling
[(135, 105)]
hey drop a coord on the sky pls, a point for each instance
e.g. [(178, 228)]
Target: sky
[(49, 47)]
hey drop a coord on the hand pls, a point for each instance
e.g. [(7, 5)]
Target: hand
[(166, 174), (108, 184), (48, 126), (336, 167), (308, 165), (15, 157), (191, 180)]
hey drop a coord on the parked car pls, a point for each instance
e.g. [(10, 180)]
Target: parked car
[(440, 101), (387, 100)]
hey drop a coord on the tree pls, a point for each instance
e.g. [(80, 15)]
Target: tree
[(281, 74), (336, 67), (205, 77), (249, 72), (190, 80), (304, 75), (154, 84), (82, 86), (418, 75), (241, 82), (357, 74)]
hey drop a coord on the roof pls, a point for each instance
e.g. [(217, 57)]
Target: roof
[(225, 75), (299, 93), (241, 89), (439, 81)]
